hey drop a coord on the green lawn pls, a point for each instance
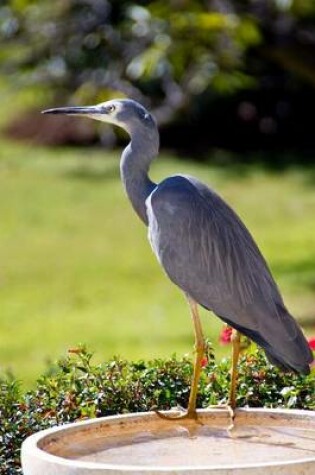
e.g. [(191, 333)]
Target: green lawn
[(76, 265)]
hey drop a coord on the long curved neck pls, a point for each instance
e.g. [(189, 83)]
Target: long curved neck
[(134, 166)]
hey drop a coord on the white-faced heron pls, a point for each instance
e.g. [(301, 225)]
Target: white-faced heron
[(204, 248)]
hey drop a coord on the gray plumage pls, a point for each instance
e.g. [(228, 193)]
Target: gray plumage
[(201, 243)]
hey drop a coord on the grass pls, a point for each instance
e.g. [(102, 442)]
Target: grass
[(76, 265)]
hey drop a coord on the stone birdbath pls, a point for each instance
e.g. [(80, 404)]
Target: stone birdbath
[(262, 442)]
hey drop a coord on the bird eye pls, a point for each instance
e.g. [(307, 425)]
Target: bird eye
[(111, 108)]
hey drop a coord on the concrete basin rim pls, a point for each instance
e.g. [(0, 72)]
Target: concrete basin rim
[(30, 445)]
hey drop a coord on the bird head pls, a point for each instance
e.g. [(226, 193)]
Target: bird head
[(126, 113)]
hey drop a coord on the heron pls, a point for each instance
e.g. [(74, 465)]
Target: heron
[(204, 249)]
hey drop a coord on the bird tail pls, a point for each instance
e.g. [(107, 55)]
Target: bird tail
[(286, 346), (286, 367), (294, 353)]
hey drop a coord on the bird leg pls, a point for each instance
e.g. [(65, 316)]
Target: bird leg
[(231, 404), (199, 349), (236, 348)]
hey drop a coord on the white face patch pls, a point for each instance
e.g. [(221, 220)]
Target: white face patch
[(113, 108), (103, 118), (109, 117)]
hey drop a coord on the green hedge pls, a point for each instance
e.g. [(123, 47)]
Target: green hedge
[(75, 389)]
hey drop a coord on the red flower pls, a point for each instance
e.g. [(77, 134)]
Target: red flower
[(311, 343), (226, 336), (204, 362)]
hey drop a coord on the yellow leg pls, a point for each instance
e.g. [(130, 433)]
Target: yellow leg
[(200, 349), (236, 342), (231, 404)]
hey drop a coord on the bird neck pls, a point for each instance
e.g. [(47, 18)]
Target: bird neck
[(134, 166)]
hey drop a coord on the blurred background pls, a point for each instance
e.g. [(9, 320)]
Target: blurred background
[(232, 85)]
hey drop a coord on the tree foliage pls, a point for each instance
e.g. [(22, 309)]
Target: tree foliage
[(88, 48), (173, 56)]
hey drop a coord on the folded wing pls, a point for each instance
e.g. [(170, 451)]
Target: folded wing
[(208, 252)]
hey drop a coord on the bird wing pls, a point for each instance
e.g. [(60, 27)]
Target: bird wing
[(208, 252)]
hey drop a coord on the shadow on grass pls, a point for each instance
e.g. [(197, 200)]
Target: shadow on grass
[(234, 165), (243, 165)]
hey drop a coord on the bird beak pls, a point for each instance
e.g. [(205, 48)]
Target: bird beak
[(84, 111)]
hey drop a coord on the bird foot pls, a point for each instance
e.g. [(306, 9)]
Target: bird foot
[(189, 414), (230, 410)]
